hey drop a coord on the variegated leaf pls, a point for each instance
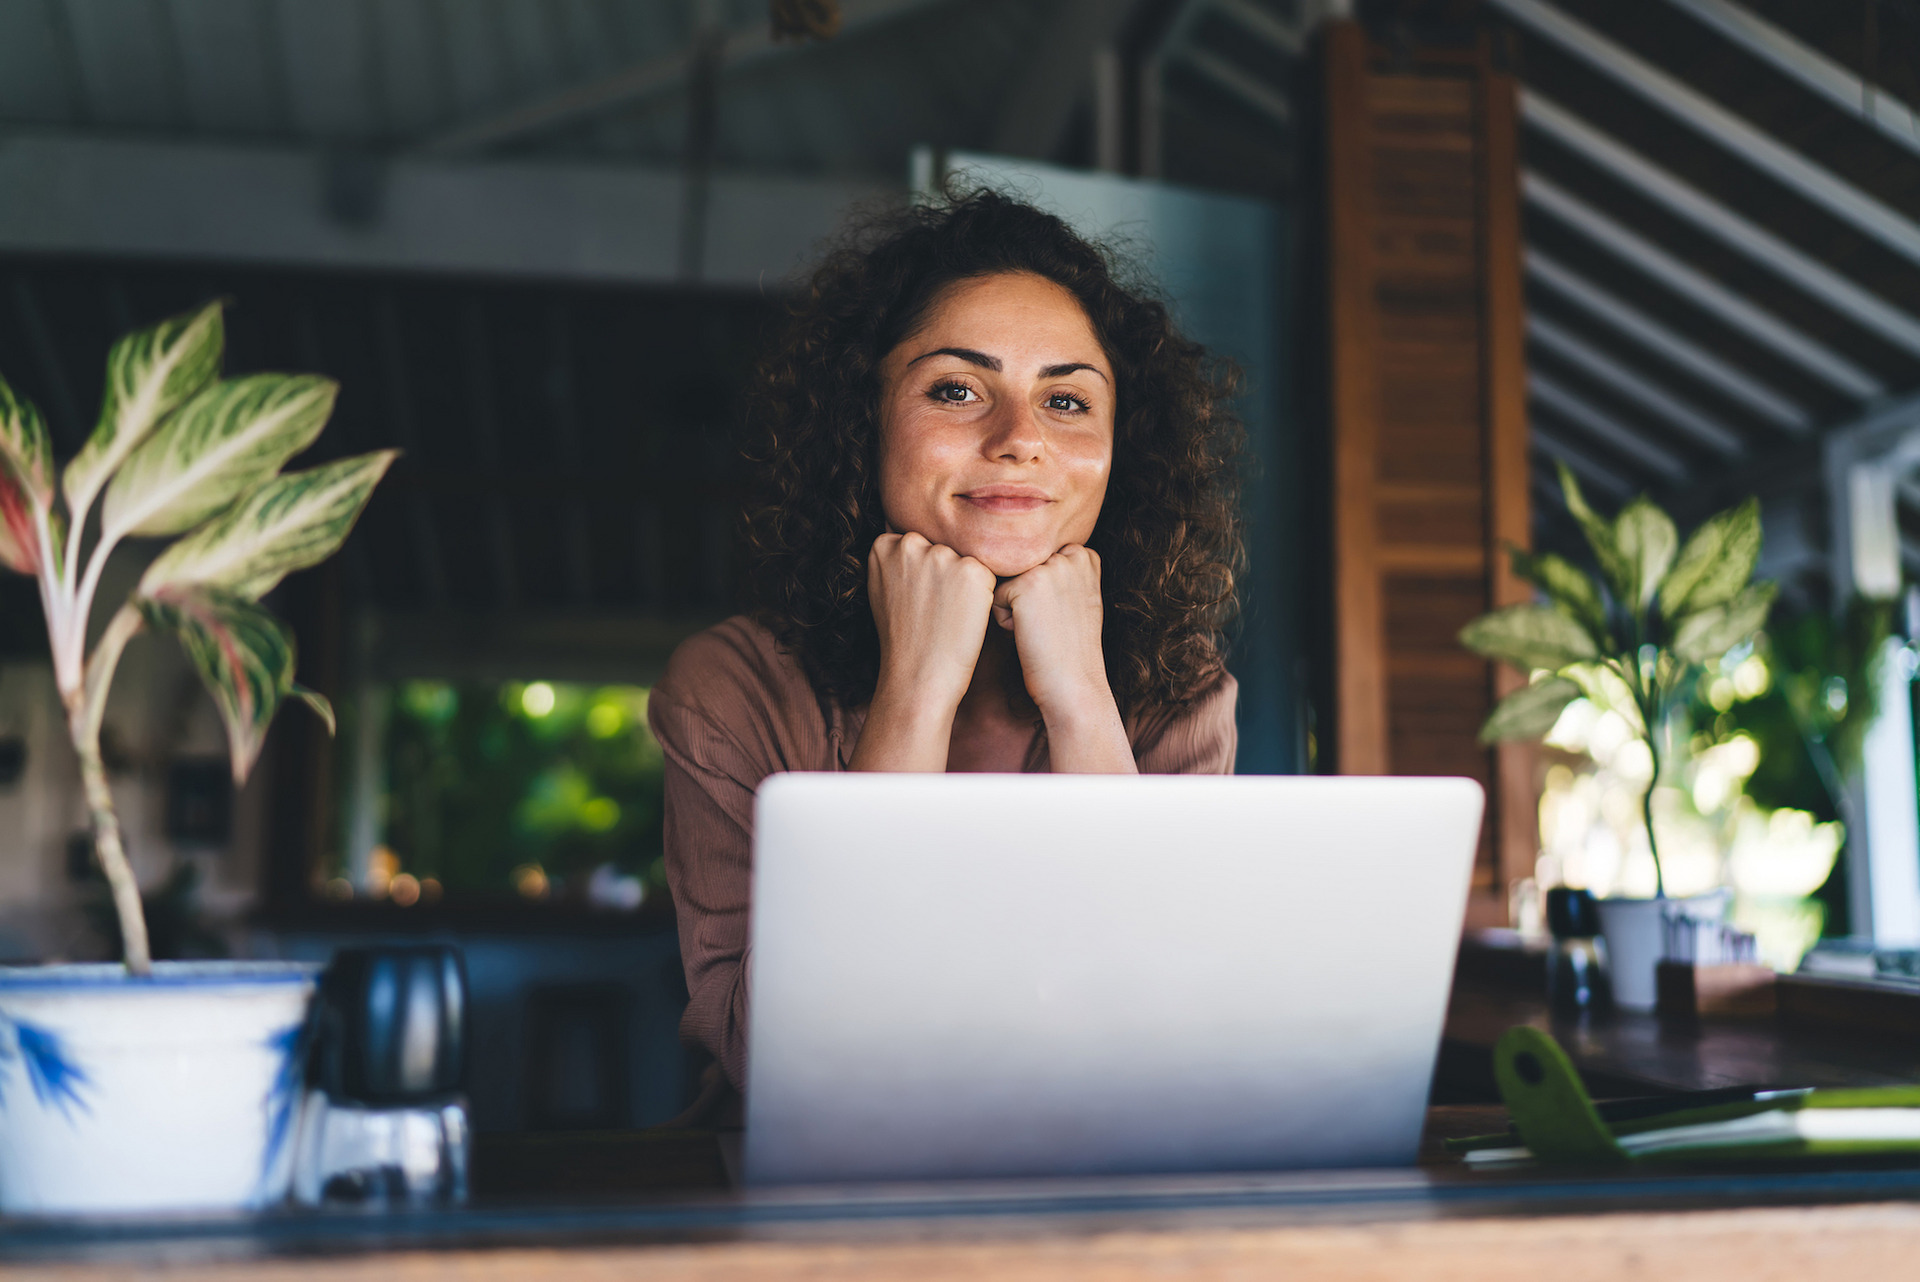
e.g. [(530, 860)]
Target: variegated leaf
[(322, 707), (1568, 587), (149, 373), (1705, 635), (1615, 566), (1607, 690), (222, 443), (1647, 541), (244, 655), (1715, 563), (291, 522), (1530, 711), (26, 481), (1529, 637)]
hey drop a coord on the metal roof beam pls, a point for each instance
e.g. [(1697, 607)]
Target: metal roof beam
[(1257, 22), (1602, 426), (1669, 344), (1582, 464), (1702, 290), (531, 219), (1758, 148), (741, 48), (1813, 69), (1036, 110), (1249, 90), (1650, 396), (1809, 274)]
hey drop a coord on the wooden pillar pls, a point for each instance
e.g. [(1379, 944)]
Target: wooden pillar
[(1359, 670), (1429, 434), (1516, 792)]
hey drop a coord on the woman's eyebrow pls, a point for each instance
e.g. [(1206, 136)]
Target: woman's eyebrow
[(984, 361), (966, 354), (1061, 371)]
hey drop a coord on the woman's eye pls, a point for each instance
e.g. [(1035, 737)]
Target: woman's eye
[(952, 393), (1067, 402)]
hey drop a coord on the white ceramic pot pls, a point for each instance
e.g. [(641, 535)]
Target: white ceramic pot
[(1634, 931), (164, 1094)]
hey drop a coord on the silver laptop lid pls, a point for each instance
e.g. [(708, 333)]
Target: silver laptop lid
[(998, 975)]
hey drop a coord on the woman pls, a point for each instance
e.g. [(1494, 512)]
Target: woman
[(994, 530)]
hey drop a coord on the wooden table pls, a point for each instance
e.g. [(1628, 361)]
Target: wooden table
[(654, 1204), (1410, 1223), (1623, 1053), (1828, 1032)]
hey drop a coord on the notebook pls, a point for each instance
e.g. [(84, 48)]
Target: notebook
[(1556, 1121)]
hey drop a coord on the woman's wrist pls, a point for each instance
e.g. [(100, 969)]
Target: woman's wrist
[(1086, 735), (919, 694), (1079, 699), (905, 729)]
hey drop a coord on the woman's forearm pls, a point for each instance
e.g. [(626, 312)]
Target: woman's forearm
[(904, 733), (1087, 737)]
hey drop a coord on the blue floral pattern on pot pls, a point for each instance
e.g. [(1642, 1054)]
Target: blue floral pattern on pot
[(290, 1045), (57, 1080), (176, 1092)]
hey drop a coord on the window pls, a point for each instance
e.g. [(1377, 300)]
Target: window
[(540, 790)]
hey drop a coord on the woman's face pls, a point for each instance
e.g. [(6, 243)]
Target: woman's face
[(996, 423)]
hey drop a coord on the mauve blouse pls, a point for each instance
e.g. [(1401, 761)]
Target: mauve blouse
[(734, 708)]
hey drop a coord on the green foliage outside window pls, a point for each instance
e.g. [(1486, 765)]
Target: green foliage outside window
[(524, 788), (1810, 720)]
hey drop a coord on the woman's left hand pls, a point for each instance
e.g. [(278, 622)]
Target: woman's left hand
[(1055, 613)]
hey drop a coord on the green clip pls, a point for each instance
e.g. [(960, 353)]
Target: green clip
[(1549, 1106)]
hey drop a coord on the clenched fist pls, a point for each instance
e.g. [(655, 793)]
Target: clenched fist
[(931, 606), (1055, 613)]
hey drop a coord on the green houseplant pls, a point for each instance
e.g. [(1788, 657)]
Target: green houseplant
[(177, 451), (111, 1074), (1632, 638)]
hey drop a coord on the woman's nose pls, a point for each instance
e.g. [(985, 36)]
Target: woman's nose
[(1013, 435)]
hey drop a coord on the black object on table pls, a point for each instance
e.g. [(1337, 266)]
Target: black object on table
[(387, 1122), (391, 1025), (1576, 980)]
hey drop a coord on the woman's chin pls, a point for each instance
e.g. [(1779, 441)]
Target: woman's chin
[(1005, 562)]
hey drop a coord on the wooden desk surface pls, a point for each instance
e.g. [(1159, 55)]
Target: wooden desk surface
[(1413, 1224), (1745, 1245), (1624, 1053), (654, 1204)]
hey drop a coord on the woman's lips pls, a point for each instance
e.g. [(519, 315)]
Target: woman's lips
[(1006, 498)]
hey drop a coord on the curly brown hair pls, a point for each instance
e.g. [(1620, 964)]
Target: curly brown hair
[(1168, 535)]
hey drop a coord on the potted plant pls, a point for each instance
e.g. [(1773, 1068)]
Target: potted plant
[(1632, 639), (169, 1085)]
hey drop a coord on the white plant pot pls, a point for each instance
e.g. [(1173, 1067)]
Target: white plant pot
[(1634, 931), (164, 1094)]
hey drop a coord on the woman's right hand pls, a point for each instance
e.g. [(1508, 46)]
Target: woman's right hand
[(931, 607)]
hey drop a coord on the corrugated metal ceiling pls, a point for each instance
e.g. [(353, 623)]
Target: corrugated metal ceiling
[(399, 75)]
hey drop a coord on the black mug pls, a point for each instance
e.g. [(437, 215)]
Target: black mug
[(391, 1025)]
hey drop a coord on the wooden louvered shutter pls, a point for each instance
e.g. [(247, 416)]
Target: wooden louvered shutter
[(1429, 437)]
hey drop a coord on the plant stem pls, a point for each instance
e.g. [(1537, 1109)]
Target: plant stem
[(1646, 805), (113, 862), (81, 606), (1645, 688), (86, 705)]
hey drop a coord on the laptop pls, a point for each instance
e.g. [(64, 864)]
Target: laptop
[(965, 976)]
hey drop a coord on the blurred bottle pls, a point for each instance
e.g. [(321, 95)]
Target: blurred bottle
[(385, 1121), (1576, 970)]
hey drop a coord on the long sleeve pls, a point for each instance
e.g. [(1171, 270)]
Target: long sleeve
[(708, 829), (730, 711)]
